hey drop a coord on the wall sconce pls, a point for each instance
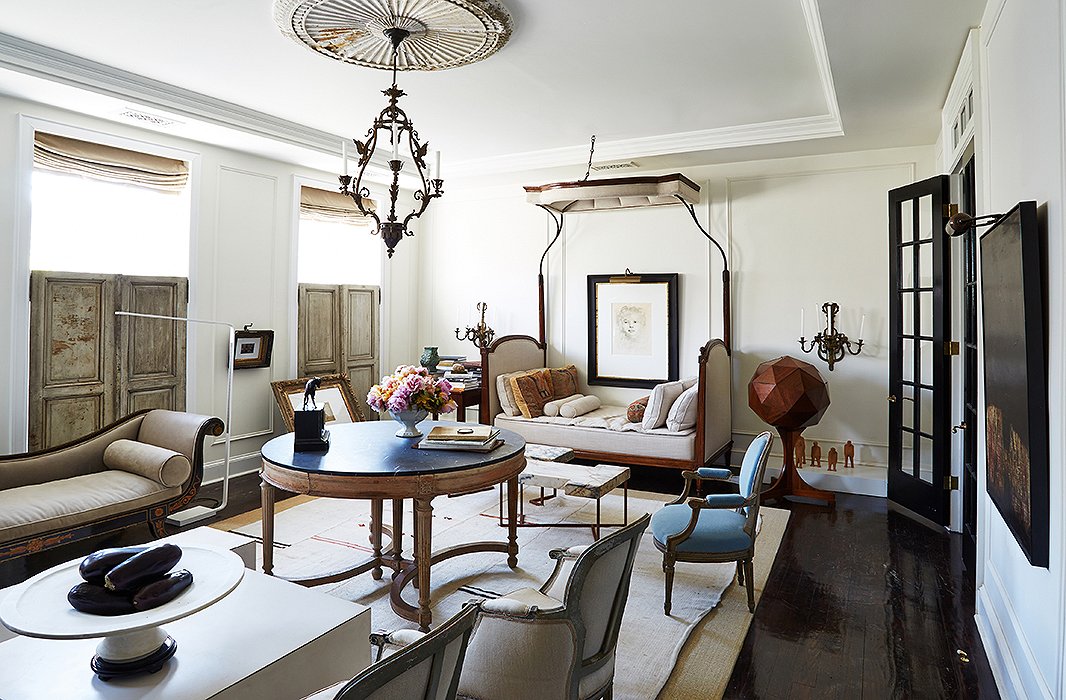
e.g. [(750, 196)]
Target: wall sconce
[(480, 335), (960, 222), (831, 345)]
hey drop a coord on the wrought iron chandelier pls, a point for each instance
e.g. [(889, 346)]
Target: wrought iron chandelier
[(398, 35), (396, 124)]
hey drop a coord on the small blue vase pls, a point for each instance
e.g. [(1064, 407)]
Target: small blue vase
[(430, 358)]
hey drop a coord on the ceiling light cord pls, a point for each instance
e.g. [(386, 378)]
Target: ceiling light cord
[(592, 149)]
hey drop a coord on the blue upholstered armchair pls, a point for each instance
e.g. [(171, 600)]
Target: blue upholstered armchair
[(717, 528)]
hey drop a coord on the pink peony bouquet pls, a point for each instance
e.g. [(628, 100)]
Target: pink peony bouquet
[(411, 388)]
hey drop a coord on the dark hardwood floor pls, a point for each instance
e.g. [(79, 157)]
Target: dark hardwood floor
[(864, 603), (861, 603)]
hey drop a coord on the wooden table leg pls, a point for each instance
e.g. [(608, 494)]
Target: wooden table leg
[(375, 535), (423, 556), (267, 496), (397, 533), (512, 522)]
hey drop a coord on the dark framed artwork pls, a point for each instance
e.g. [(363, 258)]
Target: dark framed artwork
[(252, 349), (1015, 361), (633, 329)]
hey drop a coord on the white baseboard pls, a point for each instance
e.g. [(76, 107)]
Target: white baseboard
[(1009, 656), (238, 465)]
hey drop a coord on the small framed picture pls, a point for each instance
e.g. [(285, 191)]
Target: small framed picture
[(252, 349)]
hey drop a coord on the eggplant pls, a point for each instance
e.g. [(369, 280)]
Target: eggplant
[(95, 566), (97, 600), (166, 589), (142, 568)]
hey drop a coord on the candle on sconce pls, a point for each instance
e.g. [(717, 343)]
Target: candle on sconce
[(437, 168), (803, 325), (344, 154), (862, 323), (395, 143)]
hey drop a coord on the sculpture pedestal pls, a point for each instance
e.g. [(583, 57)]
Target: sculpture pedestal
[(790, 395), (789, 482)]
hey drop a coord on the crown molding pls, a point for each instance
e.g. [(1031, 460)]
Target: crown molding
[(58, 66), (778, 131)]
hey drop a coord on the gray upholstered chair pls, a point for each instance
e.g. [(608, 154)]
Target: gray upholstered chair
[(716, 528), (426, 669), (557, 641)]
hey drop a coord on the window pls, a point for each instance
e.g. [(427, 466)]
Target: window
[(336, 242), (102, 209)]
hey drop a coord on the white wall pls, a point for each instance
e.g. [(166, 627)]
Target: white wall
[(801, 231), (241, 271), (1021, 608)]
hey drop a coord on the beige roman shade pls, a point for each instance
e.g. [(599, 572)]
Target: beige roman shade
[(95, 160), (323, 205)]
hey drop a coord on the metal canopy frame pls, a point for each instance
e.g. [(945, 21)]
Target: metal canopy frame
[(561, 198)]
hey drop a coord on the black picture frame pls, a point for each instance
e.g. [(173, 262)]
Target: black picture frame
[(650, 359), (1015, 378), (252, 349)]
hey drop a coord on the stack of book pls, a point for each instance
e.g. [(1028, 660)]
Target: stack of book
[(474, 438)]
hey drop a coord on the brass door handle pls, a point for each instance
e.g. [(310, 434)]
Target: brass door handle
[(892, 398), (957, 428)]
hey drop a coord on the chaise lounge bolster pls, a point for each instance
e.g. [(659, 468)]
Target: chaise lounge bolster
[(165, 467), (30, 510)]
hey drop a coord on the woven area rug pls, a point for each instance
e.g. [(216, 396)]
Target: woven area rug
[(315, 535)]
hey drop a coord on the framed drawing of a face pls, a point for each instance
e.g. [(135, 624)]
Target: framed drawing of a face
[(633, 329)]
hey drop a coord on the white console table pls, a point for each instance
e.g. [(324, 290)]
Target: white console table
[(268, 639)]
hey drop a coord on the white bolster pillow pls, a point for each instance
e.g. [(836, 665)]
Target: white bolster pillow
[(552, 407), (580, 407), (159, 464)]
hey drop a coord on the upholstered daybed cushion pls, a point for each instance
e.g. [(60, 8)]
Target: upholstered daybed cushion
[(633, 440), (37, 508)]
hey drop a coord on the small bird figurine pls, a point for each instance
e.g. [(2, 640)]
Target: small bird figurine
[(309, 391)]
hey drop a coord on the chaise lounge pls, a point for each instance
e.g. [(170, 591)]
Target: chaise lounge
[(140, 469)]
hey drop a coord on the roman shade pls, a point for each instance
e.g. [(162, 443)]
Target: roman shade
[(323, 205), (63, 154)]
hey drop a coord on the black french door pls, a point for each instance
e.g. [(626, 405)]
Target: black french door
[(968, 203), (919, 416)]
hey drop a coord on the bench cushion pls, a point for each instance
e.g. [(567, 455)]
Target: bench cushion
[(38, 508)]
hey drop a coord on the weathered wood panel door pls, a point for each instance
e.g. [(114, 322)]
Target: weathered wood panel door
[(72, 357), (151, 352), (338, 330), (88, 367)]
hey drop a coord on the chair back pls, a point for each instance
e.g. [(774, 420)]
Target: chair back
[(598, 587), (752, 473), (426, 670)]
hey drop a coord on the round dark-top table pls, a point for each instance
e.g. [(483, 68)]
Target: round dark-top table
[(366, 460)]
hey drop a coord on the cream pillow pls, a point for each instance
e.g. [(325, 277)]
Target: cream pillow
[(552, 407), (159, 464), (683, 413), (580, 407), (506, 395), (662, 398)]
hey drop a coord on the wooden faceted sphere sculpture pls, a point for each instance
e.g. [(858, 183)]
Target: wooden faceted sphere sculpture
[(790, 395)]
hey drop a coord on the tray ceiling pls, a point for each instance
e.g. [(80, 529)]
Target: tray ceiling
[(693, 76)]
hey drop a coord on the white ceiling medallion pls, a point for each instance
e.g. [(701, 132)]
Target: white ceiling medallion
[(443, 33)]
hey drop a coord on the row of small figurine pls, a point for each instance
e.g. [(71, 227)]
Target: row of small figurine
[(800, 448)]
